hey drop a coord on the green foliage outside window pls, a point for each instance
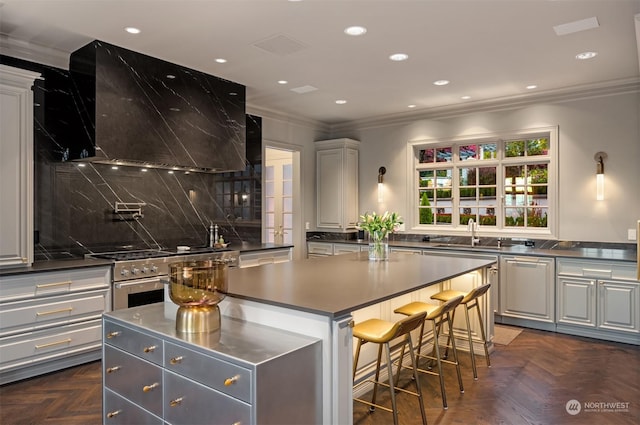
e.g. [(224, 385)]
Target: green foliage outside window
[(426, 214)]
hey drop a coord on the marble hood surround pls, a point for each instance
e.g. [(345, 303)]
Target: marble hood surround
[(143, 111)]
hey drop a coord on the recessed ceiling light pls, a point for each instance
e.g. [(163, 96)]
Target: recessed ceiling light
[(144, 170), (170, 171), (465, 97), (115, 167), (355, 30), (82, 165), (283, 82), (221, 60), (441, 82), (411, 106), (586, 55), (398, 57), (531, 87), (132, 30), (341, 101)]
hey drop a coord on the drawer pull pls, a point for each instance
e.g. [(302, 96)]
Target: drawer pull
[(113, 369), (175, 402), (61, 310), (176, 360), (151, 387), (150, 349), (231, 381), (51, 344), (113, 414), (49, 285), (113, 334)]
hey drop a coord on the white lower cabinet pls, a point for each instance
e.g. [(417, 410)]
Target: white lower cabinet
[(598, 299), (267, 256), (51, 320), (527, 291)]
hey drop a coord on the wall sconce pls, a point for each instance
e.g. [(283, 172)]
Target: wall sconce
[(381, 173), (244, 196), (600, 157)]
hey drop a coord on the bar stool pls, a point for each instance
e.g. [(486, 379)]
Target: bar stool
[(382, 333), (469, 301), (437, 315)]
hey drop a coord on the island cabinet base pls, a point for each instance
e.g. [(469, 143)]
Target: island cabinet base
[(243, 373)]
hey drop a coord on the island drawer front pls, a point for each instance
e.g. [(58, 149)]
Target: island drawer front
[(33, 347), (597, 269), (119, 411), (188, 402), (135, 379), (40, 313), (319, 248), (210, 371), (31, 285), (134, 342)]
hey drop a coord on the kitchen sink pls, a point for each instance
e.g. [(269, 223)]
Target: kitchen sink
[(464, 246)]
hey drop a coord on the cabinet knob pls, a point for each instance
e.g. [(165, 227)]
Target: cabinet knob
[(175, 402), (113, 414), (151, 387), (176, 360), (113, 334), (231, 381), (113, 369), (150, 349)]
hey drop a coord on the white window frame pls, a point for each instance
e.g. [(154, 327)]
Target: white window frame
[(412, 216)]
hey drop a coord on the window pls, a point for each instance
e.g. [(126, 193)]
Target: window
[(503, 182)]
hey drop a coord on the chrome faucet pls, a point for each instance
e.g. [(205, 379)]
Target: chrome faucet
[(472, 226)]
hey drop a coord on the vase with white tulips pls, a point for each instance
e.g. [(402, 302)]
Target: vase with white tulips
[(379, 227)]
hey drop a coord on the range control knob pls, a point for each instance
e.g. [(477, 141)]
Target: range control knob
[(145, 270), (124, 272), (154, 269), (135, 270)]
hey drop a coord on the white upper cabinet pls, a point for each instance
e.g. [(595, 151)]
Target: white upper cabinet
[(337, 184), (16, 166)]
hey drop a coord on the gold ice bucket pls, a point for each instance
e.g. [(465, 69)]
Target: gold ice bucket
[(197, 287)]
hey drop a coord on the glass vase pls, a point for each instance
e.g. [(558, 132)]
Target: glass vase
[(378, 246)]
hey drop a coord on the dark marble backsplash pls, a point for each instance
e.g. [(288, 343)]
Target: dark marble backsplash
[(74, 204)]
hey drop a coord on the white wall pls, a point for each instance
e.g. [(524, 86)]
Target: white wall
[(609, 123)]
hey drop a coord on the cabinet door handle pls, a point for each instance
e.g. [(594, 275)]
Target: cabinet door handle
[(113, 369), (150, 349), (113, 334), (176, 360), (61, 310), (51, 344), (175, 402), (151, 387), (231, 381), (49, 285), (113, 414)]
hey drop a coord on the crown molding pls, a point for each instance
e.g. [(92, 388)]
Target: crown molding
[(287, 118), (32, 52), (567, 94)]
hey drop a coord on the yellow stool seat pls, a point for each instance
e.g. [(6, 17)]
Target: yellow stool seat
[(469, 301), (374, 330), (415, 308)]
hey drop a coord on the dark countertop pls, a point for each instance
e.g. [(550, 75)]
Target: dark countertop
[(78, 262), (335, 286), (556, 250)]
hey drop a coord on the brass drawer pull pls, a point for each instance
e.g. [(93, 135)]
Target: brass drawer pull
[(231, 381), (176, 360), (49, 285), (175, 402), (61, 310), (151, 387), (113, 334), (51, 344), (113, 414), (150, 349), (113, 369)]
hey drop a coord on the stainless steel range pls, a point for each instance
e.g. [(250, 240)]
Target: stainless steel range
[(138, 275)]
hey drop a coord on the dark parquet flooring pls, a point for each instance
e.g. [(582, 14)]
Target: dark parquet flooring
[(530, 382)]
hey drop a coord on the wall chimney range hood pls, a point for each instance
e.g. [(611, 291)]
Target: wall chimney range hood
[(142, 111)]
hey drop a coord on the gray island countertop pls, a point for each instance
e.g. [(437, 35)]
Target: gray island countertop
[(337, 285)]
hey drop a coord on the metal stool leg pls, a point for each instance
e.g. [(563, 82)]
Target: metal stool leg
[(484, 337)]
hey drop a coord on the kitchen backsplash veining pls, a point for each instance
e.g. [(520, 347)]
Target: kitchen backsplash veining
[(75, 202)]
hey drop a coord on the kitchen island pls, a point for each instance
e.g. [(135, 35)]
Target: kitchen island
[(317, 297)]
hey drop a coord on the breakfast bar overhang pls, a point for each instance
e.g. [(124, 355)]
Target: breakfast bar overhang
[(317, 297)]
